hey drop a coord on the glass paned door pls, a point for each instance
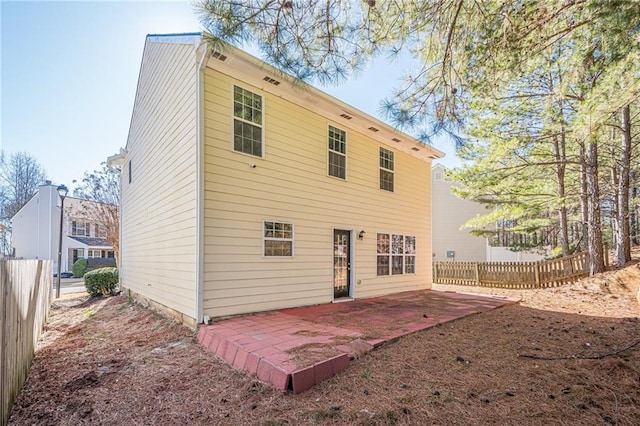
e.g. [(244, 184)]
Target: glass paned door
[(341, 263)]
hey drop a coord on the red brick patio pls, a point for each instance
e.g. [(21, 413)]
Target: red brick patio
[(293, 349)]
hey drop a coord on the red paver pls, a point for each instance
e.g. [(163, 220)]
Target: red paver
[(264, 344)]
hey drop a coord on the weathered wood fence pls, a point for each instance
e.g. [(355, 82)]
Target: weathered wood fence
[(516, 275), (25, 289)]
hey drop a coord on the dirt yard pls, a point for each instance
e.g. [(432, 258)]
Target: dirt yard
[(564, 356)]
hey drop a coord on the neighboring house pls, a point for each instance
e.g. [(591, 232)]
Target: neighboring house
[(36, 229), (452, 242), (245, 190)]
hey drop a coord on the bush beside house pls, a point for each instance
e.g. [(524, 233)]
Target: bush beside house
[(79, 268), (102, 281), (82, 266)]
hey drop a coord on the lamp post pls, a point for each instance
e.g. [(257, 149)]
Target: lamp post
[(62, 192)]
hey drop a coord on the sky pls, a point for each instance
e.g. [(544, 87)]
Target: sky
[(69, 70)]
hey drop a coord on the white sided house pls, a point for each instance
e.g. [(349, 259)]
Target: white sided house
[(36, 230), (245, 190), (452, 242)]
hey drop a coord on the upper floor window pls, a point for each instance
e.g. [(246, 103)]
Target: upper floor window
[(278, 239), (80, 229), (337, 153), (437, 176), (247, 122), (100, 231), (386, 169)]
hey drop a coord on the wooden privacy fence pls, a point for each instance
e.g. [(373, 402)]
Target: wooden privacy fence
[(517, 275), (25, 288)]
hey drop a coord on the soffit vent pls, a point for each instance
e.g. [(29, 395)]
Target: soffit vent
[(415, 148), (219, 56), (395, 140), (271, 80), (373, 129), (346, 116)]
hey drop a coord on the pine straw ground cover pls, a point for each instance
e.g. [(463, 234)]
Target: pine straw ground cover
[(105, 361)]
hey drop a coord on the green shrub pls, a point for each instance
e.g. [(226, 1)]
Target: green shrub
[(101, 281), (99, 262), (79, 268)]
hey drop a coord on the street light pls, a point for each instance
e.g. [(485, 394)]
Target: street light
[(62, 192)]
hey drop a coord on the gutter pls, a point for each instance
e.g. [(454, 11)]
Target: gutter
[(200, 182)]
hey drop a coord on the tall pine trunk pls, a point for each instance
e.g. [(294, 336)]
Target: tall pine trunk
[(584, 210), (594, 229), (559, 152), (622, 237)]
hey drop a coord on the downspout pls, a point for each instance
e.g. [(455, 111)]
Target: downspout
[(200, 185)]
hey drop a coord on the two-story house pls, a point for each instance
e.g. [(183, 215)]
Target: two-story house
[(245, 190), (36, 229)]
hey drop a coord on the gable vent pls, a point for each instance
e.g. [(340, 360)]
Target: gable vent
[(219, 56), (271, 80), (347, 116), (373, 129), (415, 148), (395, 140)]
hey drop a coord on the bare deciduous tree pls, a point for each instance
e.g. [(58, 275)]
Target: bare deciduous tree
[(103, 187), (20, 176)]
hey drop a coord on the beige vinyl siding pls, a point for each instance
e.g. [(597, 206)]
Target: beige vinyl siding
[(158, 247), (290, 184)]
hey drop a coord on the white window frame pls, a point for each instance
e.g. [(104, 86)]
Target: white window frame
[(234, 118), (99, 230), (437, 175), (265, 238), (74, 233), (343, 154), (90, 254), (392, 170), (390, 254)]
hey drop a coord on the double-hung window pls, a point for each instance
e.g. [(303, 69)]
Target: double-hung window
[(337, 153), (278, 239), (386, 169), (247, 122), (396, 254), (81, 229)]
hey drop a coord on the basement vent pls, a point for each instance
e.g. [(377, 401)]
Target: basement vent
[(271, 80), (347, 116), (219, 56), (395, 140), (373, 129), (415, 148)]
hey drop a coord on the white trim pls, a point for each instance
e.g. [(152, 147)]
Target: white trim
[(351, 265), (391, 254), (200, 140), (254, 91), (292, 239), (392, 171), (345, 154)]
